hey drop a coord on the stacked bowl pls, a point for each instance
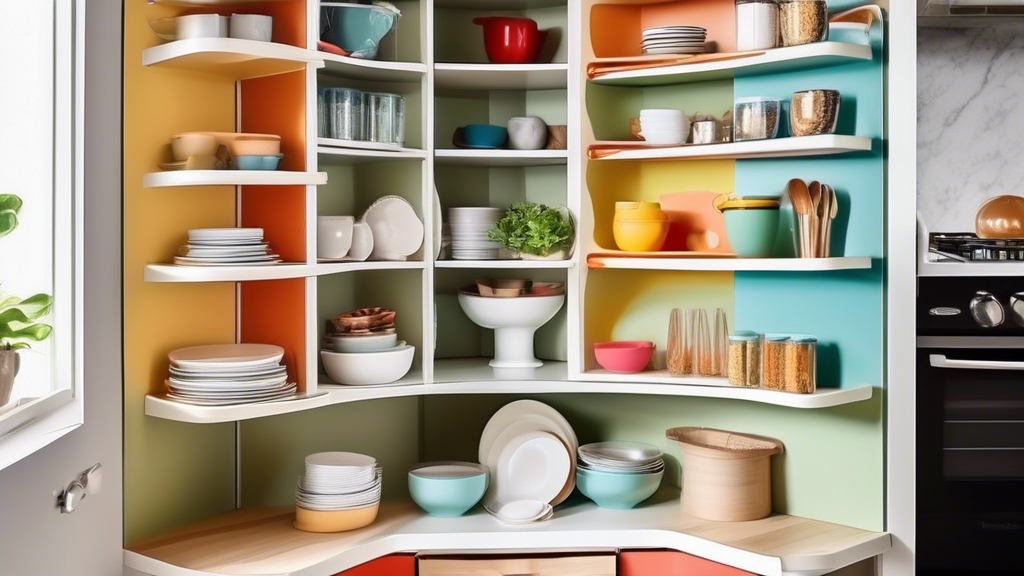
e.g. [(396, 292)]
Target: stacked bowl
[(619, 475), (664, 126), (339, 491), (361, 348), (469, 228)]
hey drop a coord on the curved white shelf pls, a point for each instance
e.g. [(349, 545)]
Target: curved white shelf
[(501, 76), (328, 153), (821, 145), (176, 273), (262, 541), (232, 178), (231, 57), (478, 157), (504, 264), (377, 70), (788, 59), (597, 261)]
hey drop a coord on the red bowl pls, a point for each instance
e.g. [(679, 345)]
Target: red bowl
[(628, 357), (511, 40)]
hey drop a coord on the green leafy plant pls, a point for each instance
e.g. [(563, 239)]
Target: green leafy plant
[(9, 207), (533, 229), (18, 317)]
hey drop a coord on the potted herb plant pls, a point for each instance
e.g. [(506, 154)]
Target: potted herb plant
[(535, 231), (18, 327)]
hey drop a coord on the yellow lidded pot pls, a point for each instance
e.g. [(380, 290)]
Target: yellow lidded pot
[(639, 226)]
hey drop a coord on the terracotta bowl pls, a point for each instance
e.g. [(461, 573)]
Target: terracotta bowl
[(1001, 217), (628, 357), (334, 520)]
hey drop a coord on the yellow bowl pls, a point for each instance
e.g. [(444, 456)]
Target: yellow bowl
[(640, 235), (334, 520)]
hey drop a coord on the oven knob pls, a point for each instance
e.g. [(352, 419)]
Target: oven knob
[(987, 311), (1017, 308)]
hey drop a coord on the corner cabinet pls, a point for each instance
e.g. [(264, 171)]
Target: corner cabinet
[(209, 489)]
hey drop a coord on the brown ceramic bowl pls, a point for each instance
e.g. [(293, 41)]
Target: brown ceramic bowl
[(1001, 217)]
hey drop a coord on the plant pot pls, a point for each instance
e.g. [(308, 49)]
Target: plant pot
[(10, 362), (557, 255)]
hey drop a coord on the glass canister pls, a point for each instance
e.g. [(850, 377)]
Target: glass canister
[(803, 21), (757, 24), (343, 113), (755, 118), (398, 119), (773, 358), (800, 364), (739, 358), (377, 125)]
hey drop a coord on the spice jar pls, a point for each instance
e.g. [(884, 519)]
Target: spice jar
[(803, 21), (757, 24), (800, 364), (755, 118), (773, 359), (738, 357)]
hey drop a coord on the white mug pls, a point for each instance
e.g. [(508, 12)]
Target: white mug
[(334, 236), (527, 133), (252, 27), (362, 242)]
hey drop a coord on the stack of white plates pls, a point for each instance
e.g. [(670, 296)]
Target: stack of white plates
[(530, 449), (625, 457), (227, 374), (674, 40), (226, 247), (469, 228), (338, 481)]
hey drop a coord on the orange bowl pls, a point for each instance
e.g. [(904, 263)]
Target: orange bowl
[(334, 520), (1001, 217)]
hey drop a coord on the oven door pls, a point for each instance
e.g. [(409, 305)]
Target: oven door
[(970, 468)]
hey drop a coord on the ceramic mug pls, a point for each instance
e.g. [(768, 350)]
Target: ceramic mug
[(527, 133), (334, 236), (251, 27), (200, 26), (362, 242)]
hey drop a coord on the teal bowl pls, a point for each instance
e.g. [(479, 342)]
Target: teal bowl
[(447, 489), (617, 490), (269, 162), (752, 231), (356, 28), (484, 136)]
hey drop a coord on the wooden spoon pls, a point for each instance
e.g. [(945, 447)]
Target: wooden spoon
[(815, 222), (824, 208), (800, 197), (833, 211)]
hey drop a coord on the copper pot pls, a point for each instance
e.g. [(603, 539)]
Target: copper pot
[(1001, 217)]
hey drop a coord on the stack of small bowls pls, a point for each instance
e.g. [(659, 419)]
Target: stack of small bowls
[(469, 233), (339, 491), (447, 489), (362, 348), (664, 126), (619, 475)]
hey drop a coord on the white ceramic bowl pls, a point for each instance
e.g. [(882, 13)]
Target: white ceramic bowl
[(251, 27), (397, 230), (200, 26), (664, 136), (363, 343), (368, 368)]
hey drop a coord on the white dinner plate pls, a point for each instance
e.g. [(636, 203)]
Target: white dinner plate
[(436, 224), (397, 231), (340, 460), (674, 51), (526, 408), (224, 233), (226, 356), (530, 466)]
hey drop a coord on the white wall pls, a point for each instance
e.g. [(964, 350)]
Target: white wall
[(35, 540)]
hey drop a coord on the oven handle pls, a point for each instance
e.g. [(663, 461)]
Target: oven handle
[(940, 361)]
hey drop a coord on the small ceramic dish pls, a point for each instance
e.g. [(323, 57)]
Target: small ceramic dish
[(502, 287), (486, 136), (192, 144), (364, 320), (268, 162), (250, 146), (617, 490), (334, 520), (368, 368), (363, 342), (628, 357), (447, 489)]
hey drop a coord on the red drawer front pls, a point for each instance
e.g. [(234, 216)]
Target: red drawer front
[(670, 563), (397, 565)]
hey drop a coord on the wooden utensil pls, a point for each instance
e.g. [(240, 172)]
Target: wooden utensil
[(833, 211), (800, 197), (814, 188), (824, 208)]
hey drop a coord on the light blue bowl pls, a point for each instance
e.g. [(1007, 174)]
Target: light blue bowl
[(447, 489), (356, 28), (258, 162), (617, 490), (484, 135), (752, 231)]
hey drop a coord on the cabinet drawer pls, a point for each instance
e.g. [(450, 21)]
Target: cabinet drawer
[(397, 565), (537, 565), (672, 563)]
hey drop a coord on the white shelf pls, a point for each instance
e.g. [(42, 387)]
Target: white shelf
[(726, 264), (970, 269), (231, 57), (788, 59), (504, 264), (376, 70), (475, 157), (176, 273), (345, 152), (821, 145), (262, 541), (232, 178), (473, 371), (501, 76)]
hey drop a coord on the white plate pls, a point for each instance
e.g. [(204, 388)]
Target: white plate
[(222, 244), (436, 224), (226, 356), (674, 51), (203, 234), (530, 466), (397, 231), (663, 29), (520, 511), (547, 418), (340, 460), (191, 262)]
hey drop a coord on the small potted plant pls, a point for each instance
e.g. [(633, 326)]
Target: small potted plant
[(18, 327), (535, 231)]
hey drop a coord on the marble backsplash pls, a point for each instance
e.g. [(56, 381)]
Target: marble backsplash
[(970, 122)]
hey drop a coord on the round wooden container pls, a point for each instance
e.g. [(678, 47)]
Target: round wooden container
[(726, 475)]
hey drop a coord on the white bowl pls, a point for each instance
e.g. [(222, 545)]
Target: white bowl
[(368, 368), (334, 236), (200, 26), (368, 343), (251, 27), (663, 136), (514, 321), (397, 231)]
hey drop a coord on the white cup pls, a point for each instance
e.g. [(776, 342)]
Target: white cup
[(333, 236), (252, 27), (362, 242), (200, 26)]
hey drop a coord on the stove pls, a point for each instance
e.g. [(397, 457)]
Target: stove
[(967, 247)]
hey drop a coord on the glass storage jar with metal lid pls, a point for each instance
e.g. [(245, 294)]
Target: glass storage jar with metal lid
[(800, 364), (803, 21), (744, 349), (757, 24), (773, 361)]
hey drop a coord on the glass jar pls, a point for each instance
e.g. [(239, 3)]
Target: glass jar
[(800, 364), (739, 358), (755, 118), (803, 21), (757, 24), (773, 360), (343, 113)]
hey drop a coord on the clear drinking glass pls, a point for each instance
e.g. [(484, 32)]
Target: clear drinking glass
[(705, 363), (321, 115), (346, 113), (398, 119), (720, 361)]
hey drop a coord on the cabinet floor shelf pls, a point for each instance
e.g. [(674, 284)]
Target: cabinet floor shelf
[(175, 273), (262, 541), (504, 264), (231, 57), (376, 70), (470, 157), (232, 178), (821, 145), (788, 59), (598, 261), (501, 76)]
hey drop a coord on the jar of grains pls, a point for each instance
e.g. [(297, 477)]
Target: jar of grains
[(757, 24), (800, 364), (739, 351), (773, 350), (803, 21)]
